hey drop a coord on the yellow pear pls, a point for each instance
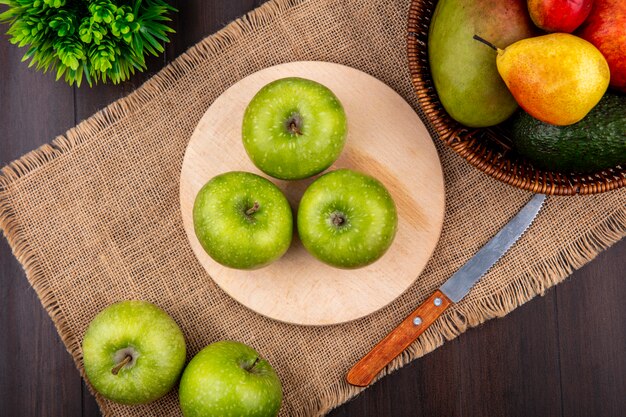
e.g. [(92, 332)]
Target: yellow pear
[(556, 78)]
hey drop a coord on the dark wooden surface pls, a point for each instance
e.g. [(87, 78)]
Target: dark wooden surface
[(559, 355)]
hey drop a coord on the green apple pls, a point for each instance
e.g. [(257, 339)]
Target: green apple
[(347, 219), (229, 379), (242, 220), (294, 128), (133, 352)]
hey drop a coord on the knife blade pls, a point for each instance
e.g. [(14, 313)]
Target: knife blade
[(452, 291)]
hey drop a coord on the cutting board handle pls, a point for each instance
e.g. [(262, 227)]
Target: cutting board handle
[(399, 339)]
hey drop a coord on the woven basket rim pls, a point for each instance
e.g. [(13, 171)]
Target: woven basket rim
[(484, 148)]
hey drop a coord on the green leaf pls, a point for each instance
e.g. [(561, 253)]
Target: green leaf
[(60, 72), (85, 70)]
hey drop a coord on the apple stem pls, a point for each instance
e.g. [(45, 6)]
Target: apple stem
[(293, 128), (486, 42), (122, 364), (253, 209), (254, 363)]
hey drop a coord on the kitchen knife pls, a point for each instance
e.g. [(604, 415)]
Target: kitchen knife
[(452, 291)]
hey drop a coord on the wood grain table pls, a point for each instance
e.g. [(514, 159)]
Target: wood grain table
[(563, 354)]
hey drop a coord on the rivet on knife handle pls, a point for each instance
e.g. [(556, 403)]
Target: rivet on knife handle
[(399, 339)]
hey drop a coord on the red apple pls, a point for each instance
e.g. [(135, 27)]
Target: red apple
[(559, 15), (606, 29)]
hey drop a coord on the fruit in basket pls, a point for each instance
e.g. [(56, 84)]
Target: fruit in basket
[(294, 128), (559, 15), (463, 71), (229, 379), (347, 219), (596, 142), (133, 352), (556, 78), (606, 29), (242, 220)]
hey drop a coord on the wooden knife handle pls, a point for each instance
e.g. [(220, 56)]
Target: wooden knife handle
[(399, 339)]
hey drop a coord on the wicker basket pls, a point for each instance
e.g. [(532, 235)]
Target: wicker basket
[(489, 149)]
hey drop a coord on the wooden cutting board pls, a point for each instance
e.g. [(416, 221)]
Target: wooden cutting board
[(386, 139)]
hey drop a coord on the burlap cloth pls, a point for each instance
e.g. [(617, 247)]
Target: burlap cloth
[(94, 217)]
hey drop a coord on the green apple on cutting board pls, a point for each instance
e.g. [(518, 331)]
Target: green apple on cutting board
[(347, 219), (294, 128), (464, 72), (242, 220)]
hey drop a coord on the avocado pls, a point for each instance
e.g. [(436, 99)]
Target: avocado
[(595, 143)]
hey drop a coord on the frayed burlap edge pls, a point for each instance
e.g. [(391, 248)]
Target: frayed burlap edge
[(541, 276)]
